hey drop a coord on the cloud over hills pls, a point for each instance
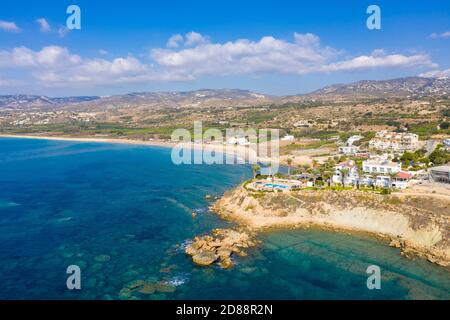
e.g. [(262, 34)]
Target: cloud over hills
[(190, 56)]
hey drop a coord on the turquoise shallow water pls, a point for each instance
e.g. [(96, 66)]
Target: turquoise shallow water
[(121, 213)]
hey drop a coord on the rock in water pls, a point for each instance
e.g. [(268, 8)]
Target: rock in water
[(147, 289), (219, 247), (102, 258), (135, 284), (205, 258), (226, 263)]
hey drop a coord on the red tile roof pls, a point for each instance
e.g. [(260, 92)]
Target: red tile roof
[(404, 175)]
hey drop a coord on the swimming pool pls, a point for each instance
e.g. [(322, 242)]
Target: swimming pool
[(276, 186)]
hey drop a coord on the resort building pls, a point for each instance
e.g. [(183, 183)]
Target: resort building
[(381, 166), (348, 150), (401, 181), (441, 174), (346, 172), (394, 141)]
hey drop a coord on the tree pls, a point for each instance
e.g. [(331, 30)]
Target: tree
[(270, 172), (255, 169), (316, 173), (327, 175), (360, 175), (315, 163), (439, 156), (289, 162), (373, 176), (306, 167), (344, 173), (391, 179)]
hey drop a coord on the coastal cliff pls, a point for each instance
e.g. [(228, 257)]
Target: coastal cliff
[(420, 226)]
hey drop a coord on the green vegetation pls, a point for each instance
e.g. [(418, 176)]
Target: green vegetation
[(439, 156)]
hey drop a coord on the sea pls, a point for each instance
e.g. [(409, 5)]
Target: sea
[(124, 213)]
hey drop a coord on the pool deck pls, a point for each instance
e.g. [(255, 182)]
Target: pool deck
[(275, 184)]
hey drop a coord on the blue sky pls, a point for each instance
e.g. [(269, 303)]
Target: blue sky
[(276, 47)]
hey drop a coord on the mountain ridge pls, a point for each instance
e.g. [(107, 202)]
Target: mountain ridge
[(408, 87)]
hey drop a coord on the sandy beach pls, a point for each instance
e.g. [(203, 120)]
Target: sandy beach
[(244, 154)]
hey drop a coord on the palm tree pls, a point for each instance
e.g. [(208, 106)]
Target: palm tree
[(344, 173), (360, 174), (289, 162), (255, 169), (373, 176), (327, 175), (391, 179), (306, 167), (315, 163), (270, 172), (315, 174)]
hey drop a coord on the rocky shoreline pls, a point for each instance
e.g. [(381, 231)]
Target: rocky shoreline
[(418, 226)]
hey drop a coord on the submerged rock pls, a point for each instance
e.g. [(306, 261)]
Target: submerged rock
[(102, 258), (125, 294), (165, 287), (135, 284), (148, 288)]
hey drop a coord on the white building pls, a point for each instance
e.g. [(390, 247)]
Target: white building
[(400, 181), (241, 141), (395, 141), (346, 172), (353, 139), (305, 124), (381, 166), (348, 150), (288, 138)]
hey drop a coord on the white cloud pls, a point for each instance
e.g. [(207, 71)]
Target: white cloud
[(174, 41), (372, 62), (194, 38), (436, 73), (63, 31), (54, 66), (103, 52), (48, 57), (440, 35), (44, 26), (302, 56), (305, 54), (188, 40), (306, 39), (9, 26)]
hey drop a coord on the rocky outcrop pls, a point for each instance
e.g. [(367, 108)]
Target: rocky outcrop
[(417, 226), (219, 247)]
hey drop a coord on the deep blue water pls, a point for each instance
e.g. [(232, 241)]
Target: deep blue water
[(121, 213)]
